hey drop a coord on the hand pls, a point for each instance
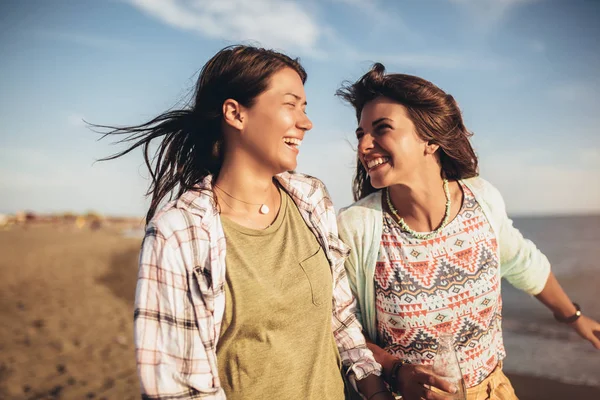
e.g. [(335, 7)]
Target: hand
[(373, 387), (413, 378), (588, 329)]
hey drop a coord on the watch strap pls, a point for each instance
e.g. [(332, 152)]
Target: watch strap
[(569, 319)]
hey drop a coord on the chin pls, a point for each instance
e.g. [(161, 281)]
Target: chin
[(291, 164), (378, 185), (287, 166), (379, 182)]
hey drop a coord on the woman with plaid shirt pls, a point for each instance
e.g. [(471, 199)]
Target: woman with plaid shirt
[(242, 292)]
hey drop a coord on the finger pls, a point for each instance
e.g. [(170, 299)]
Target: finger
[(594, 334), (595, 339), (437, 382)]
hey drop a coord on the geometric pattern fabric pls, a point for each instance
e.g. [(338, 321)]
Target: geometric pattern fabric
[(449, 283)]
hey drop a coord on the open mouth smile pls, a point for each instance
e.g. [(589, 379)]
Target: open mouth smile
[(292, 143), (376, 162)]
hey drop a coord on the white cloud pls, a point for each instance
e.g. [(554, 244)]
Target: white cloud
[(285, 24), (272, 23)]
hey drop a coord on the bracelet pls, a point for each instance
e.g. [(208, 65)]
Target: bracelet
[(394, 383), (572, 318), (376, 393)]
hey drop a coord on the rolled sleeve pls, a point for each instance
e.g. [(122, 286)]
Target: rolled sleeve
[(523, 265), (356, 357)]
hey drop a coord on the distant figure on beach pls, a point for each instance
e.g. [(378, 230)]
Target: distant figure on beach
[(241, 292), (430, 241)]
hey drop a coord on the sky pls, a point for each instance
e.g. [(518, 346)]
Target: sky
[(526, 74)]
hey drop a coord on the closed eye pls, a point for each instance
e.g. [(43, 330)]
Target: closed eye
[(382, 128)]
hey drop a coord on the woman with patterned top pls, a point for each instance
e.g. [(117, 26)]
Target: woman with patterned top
[(430, 241), (241, 291)]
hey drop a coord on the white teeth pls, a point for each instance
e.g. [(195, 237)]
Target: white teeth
[(377, 161), (292, 141)]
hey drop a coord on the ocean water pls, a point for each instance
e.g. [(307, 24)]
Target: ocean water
[(535, 343)]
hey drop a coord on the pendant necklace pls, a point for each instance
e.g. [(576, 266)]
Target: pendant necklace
[(263, 209)]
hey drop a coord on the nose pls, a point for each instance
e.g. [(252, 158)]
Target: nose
[(365, 143), (304, 122)]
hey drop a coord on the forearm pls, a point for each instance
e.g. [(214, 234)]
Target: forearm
[(373, 387), (381, 356), (554, 297)]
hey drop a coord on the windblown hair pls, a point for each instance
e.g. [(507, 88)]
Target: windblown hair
[(435, 114), (191, 146)]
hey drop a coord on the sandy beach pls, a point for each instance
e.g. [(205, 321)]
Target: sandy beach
[(66, 300)]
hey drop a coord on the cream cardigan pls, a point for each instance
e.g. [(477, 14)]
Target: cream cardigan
[(360, 226)]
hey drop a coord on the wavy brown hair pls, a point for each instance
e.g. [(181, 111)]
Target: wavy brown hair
[(435, 114), (191, 138)]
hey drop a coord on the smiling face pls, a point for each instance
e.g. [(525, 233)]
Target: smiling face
[(274, 126), (389, 147)]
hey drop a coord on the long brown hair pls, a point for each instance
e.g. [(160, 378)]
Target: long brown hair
[(191, 146), (435, 113)]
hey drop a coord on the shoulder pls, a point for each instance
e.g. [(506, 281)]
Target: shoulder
[(307, 192), (305, 184), (368, 205), (176, 225), (360, 216), (485, 191)]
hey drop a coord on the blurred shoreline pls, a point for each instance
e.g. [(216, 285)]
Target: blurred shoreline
[(536, 344)]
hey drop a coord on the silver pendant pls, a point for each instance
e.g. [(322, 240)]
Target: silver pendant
[(264, 209)]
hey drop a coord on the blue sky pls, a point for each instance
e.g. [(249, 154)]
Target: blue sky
[(526, 74)]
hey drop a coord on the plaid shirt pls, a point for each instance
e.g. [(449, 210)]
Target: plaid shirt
[(180, 296)]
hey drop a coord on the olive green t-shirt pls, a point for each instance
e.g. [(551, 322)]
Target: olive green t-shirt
[(276, 339)]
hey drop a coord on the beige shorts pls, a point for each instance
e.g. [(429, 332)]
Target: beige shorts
[(495, 387)]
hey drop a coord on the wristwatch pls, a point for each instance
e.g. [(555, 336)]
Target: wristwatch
[(570, 319)]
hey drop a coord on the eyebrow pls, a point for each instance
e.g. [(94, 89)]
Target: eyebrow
[(378, 120), (296, 96)]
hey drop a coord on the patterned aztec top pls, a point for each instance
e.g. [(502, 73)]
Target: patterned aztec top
[(448, 283)]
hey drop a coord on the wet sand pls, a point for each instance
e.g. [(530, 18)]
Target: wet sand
[(66, 309), (533, 388)]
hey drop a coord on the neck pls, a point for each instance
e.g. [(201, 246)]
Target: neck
[(420, 201), (246, 183)]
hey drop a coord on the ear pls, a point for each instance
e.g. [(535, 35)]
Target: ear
[(233, 114), (431, 148)]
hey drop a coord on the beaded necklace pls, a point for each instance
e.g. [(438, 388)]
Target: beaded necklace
[(419, 235)]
